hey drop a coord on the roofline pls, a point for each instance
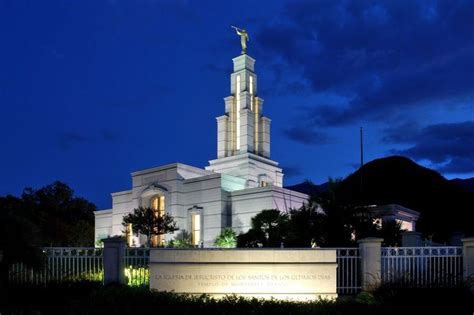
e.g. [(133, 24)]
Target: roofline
[(398, 207), (103, 211), (243, 156), (167, 167), (202, 178), (268, 188), (123, 192)]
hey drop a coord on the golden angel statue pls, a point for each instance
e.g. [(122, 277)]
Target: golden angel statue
[(244, 38)]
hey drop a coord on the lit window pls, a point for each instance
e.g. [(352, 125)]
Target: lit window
[(251, 92), (157, 203), (405, 225), (129, 234), (263, 184), (256, 124), (196, 228)]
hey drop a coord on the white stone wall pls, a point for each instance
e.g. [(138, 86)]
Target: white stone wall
[(221, 199), (246, 130), (167, 180), (264, 136), (205, 195), (247, 203), (122, 204), (241, 272), (103, 224), (285, 199), (184, 187), (222, 136), (250, 167)]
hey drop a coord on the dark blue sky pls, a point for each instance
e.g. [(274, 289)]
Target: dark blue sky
[(93, 90)]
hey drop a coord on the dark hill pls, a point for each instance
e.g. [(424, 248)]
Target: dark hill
[(467, 183), (309, 188), (445, 207)]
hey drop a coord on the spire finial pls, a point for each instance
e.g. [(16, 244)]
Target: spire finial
[(244, 38)]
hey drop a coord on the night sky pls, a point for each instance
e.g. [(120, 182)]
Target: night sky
[(93, 90)]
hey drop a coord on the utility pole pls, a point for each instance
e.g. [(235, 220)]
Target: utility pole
[(361, 147), (361, 158)]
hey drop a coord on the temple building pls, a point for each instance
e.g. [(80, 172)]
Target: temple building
[(233, 188)]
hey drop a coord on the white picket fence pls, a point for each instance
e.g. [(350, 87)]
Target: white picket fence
[(348, 275), (415, 266), (422, 266), (61, 264)]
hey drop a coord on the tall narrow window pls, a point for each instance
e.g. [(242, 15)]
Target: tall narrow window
[(129, 233), (237, 114), (157, 203), (256, 124), (196, 229), (251, 92), (161, 206)]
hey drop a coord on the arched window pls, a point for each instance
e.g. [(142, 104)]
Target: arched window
[(157, 203)]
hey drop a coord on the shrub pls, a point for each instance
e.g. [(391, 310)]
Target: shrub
[(227, 239), (93, 298), (182, 240), (137, 276)]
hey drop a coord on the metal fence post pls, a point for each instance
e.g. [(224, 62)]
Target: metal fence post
[(114, 251), (468, 260), (370, 254)]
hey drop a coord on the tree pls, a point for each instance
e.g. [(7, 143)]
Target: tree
[(269, 229), (391, 233), (325, 220), (147, 221), (338, 227), (20, 239), (307, 225), (345, 223), (59, 217), (227, 239), (63, 219)]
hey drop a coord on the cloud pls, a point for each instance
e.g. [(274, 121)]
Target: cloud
[(69, 139), (384, 57), (133, 102), (306, 135), (458, 166), (109, 135), (449, 146), (217, 69), (403, 133)]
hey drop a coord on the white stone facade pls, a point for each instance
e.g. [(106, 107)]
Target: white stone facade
[(237, 185)]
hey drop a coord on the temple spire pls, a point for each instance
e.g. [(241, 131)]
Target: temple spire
[(243, 133), (243, 128)]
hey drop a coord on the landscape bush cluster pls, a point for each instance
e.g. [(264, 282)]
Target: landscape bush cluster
[(94, 298)]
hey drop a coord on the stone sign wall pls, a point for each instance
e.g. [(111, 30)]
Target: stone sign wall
[(279, 273)]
